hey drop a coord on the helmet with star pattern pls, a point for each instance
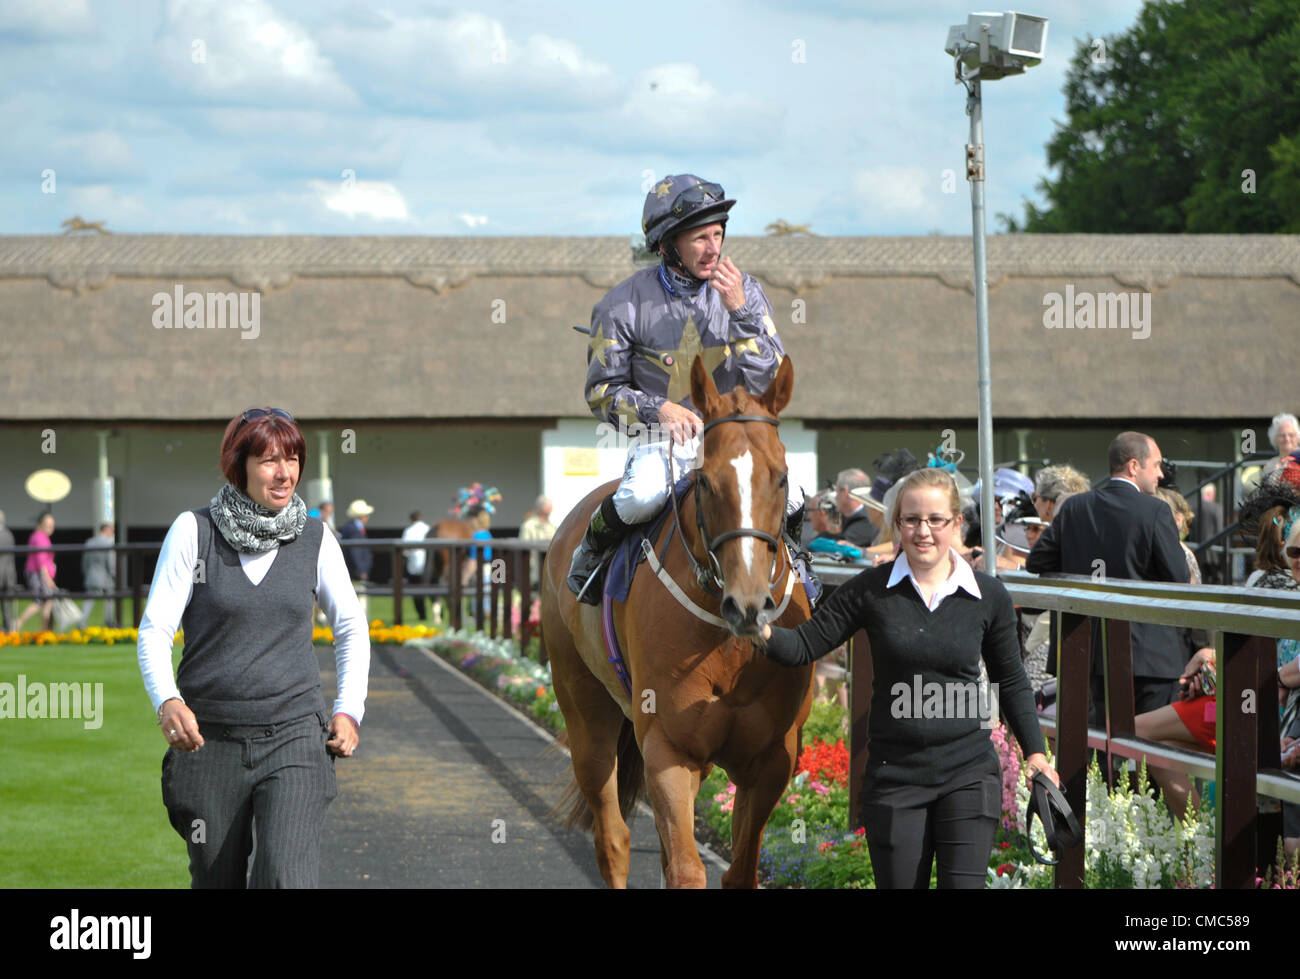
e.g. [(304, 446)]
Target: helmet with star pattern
[(681, 202)]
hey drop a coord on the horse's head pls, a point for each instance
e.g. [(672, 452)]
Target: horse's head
[(741, 490)]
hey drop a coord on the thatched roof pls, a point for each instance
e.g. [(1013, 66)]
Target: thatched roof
[(409, 328)]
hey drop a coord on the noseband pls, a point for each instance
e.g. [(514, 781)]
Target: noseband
[(711, 579)]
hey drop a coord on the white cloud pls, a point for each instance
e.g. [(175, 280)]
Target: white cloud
[(100, 202), (243, 52), (901, 193), (46, 20), (462, 64), (364, 198), (473, 220), (674, 109)]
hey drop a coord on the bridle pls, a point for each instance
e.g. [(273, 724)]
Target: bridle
[(711, 578)]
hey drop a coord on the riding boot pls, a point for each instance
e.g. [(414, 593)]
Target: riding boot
[(586, 576)]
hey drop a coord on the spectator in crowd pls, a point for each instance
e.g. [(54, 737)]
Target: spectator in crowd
[(1182, 514), (251, 746), (1209, 526), (1051, 483), (40, 570), (537, 526), (415, 558), (823, 518), (932, 784), (858, 527), (1122, 525), (99, 574), (324, 512), (1274, 509), (1284, 434), (480, 518), (8, 576), (358, 559)]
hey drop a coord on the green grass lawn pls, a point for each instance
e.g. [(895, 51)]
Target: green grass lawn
[(380, 607), (79, 807)]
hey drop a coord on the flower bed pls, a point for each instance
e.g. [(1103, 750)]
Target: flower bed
[(497, 665), (380, 632)]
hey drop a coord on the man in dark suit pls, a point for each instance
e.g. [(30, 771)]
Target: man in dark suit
[(1122, 530)]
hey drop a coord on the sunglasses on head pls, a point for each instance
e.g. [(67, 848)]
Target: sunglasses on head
[(706, 193), (253, 414)]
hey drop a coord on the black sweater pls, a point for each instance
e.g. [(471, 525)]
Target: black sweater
[(922, 734)]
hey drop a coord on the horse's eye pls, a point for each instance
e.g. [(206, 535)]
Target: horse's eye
[(703, 483), (784, 481)]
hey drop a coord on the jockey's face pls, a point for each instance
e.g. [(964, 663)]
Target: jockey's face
[(700, 249)]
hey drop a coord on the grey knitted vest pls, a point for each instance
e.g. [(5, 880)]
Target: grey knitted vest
[(248, 655)]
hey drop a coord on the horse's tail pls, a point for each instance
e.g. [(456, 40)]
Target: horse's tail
[(631, 785)]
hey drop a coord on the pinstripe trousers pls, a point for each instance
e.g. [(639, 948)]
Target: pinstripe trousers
[(275, 779)]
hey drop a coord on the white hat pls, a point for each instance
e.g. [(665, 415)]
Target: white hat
[(360, 508)]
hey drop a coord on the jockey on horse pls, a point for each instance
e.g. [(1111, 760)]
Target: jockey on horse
[(645, 334)]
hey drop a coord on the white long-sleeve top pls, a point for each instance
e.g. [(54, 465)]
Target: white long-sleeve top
[(173, 584)]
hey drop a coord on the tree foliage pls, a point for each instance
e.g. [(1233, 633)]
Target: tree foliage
[(1187, 122)]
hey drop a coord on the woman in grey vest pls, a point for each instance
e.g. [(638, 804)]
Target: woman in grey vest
[(251, 745)]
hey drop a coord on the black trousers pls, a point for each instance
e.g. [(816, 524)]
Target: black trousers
[(908, 826), (417, 579), (276, 779)]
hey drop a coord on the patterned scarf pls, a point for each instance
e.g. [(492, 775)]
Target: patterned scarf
[(250, 527), (678, 283)]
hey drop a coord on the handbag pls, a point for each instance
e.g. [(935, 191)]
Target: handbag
[(66, 614)]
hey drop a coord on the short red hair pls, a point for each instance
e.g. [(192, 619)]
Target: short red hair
[(256, 438)]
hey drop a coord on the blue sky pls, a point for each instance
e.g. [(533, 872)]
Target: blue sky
[(507, 118)]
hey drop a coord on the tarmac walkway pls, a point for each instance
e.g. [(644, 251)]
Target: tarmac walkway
[(450, 787)]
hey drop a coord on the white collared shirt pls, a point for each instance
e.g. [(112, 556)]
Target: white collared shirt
[(1121, 479), (961, 577)]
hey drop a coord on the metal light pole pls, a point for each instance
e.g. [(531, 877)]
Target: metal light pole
[(975, 174), (989, 46)]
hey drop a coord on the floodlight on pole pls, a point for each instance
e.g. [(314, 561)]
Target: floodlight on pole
[(987, 47)]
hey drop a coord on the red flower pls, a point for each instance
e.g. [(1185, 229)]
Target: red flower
[(1005, 868), (825, 762), (1004, 846), (860, 831)]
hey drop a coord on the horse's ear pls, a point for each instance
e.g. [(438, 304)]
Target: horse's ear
[(704, 393), (778, 393)]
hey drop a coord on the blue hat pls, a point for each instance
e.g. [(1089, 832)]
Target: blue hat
[(680, 202)]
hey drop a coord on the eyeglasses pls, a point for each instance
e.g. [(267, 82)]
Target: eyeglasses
[(934, 523), (253, 414), (1293, 552)]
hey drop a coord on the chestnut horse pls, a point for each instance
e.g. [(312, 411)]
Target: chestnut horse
[(437, 567), (701, 693)]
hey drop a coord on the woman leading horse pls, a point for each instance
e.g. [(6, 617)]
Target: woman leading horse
[(700, 694)]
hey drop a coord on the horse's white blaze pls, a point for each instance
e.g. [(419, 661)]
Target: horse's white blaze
[(745, 481)]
